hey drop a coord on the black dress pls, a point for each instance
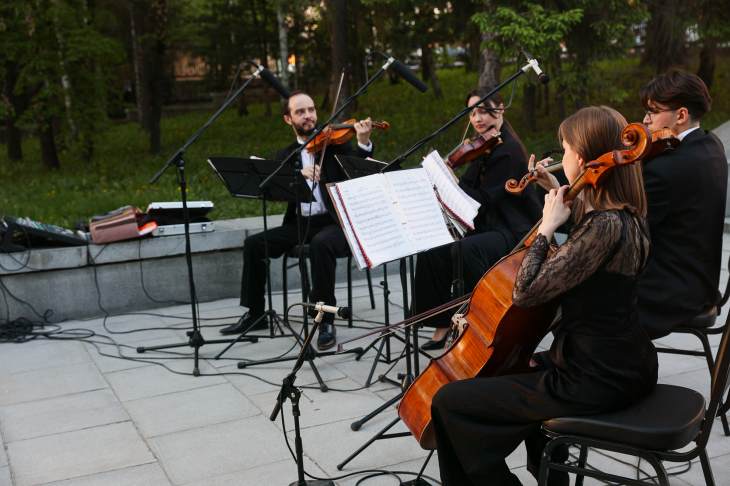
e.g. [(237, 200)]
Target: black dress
[(601, 359), (502, 220)]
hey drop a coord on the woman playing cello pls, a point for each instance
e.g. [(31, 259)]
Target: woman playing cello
[(600, 358)]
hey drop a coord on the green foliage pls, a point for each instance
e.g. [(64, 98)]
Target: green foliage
[(122, 168), (65, 66), (533, 27)]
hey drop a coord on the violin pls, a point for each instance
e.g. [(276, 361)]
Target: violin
[(662, 140), (497, 337), (339, 133), (471, 149)]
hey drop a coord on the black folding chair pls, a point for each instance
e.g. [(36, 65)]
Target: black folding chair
[(702, 327), (654, 429)]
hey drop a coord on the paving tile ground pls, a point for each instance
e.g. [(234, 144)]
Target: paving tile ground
[(98, 413)]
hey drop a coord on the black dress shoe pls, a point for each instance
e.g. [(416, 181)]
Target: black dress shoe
[(431, 345), (327, 336), (245, 323)]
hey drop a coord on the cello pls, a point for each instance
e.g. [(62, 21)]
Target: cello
[(496, 337)]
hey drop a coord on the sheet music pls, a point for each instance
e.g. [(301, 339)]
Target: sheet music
[(375, 223), (347, 227), (420, 211), (463, 206)]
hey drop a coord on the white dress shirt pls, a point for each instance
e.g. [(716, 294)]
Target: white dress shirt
[(687, 132), (317, 205)]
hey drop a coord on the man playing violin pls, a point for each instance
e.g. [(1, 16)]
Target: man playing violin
[(502, 220), (686, 190), (317, 222)]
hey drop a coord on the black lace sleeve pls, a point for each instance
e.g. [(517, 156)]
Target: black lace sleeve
[(544, 275)]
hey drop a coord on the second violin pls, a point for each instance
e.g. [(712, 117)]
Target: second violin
[(661, 141)]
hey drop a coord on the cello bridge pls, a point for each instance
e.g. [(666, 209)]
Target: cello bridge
[(458, 326)]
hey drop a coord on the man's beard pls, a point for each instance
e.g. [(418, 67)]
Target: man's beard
[(303, 132)]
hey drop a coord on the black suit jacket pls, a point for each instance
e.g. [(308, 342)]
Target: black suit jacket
[(331, 172), (686, 190), (484, 181)]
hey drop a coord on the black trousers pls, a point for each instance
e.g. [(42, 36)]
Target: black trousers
[(326, 243), (479, 422), (435, 270)]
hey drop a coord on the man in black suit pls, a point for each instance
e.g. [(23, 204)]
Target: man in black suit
[(686, 190), (317, 222)]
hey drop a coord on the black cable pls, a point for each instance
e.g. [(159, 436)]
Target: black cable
[(373, 472), (141, 280)]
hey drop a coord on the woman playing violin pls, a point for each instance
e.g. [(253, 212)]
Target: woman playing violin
[(600, 359), (501, 222)]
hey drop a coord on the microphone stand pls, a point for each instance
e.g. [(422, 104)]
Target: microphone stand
[(195, 338), (290, 391)]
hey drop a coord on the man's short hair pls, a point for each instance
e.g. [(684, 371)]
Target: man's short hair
[(677, 88), (285, 110)]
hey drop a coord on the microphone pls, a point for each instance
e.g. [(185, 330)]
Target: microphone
[(405, 73), (343, 312), (272, 80), (532, 64)]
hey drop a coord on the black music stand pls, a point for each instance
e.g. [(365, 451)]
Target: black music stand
[(242, 177)]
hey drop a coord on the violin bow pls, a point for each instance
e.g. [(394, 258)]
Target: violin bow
[(334, 107)]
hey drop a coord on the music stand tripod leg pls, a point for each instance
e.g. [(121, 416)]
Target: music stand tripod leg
[(379, 436), (310, 355), (195, 338), (270, 314)]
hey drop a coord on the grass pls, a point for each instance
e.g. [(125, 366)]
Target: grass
[(121, 168)]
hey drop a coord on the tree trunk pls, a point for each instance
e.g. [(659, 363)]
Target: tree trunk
[(283, 44), (529, 106), (148, 24), (65, 79), (12, 132), (136, 26), (156, 70), (49, 155), (665, 35), (339, 43), (489, 65), (264, 51), (708, 58), (428, 70)]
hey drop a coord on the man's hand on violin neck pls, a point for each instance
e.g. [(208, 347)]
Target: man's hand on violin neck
[(363, 128), (311, 172)]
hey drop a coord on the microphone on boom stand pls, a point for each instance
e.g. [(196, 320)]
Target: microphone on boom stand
[(272, 80), (533, 64), (403, 71)]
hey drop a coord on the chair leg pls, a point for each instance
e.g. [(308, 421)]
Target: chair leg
[(370, 288), (284, 286), (711, 365), (706, 468), (582, 458), (304, 277), (349, 290), (661, 473)]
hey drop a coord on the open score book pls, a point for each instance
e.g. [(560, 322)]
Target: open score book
[(391, 215)]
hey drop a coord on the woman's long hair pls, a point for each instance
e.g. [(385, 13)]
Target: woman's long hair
[(495, 100), (591, 132)]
